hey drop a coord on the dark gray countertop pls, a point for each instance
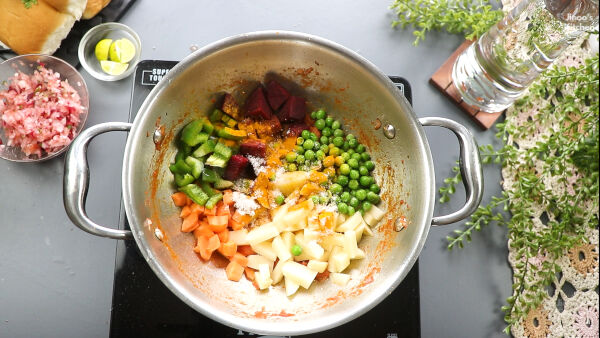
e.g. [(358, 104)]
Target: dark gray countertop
[(56, 280)]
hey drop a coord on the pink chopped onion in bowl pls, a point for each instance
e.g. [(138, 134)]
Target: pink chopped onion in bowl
[(39, 112)]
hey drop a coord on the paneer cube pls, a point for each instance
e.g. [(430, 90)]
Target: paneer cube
[(263, 276), (265, 249), (317, 266), (290, 287), (262, 233)]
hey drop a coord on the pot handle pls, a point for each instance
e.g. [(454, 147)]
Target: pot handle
[(76, 181), (470, 169)]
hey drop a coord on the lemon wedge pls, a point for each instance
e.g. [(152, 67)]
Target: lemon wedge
[(122, 50), (113, 68), (102, 48)]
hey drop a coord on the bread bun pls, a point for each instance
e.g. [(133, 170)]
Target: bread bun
[(93, 7), (73, 7), (38, 29)]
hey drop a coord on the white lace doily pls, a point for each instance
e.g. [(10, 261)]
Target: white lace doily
[(571, 308)]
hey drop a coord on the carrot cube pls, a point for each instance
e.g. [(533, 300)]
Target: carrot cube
[(197, 209), (235, 225), (190, 223), (213, 243), (223, 210), (179, 199), (249, 272), (246, 250), (223, 235), (240, 259), (228, 197), (234, 271), (203, 231), (228, 249), (185, 211)]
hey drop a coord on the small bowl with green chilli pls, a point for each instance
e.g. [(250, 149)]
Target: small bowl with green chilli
[(110, 51)]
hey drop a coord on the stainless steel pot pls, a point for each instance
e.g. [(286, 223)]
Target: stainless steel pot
[(329, 75)]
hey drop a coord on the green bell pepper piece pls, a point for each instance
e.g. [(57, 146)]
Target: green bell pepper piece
[(213, 200), (208, 189), (207, 127), (180, 167), (195, 193), (209, 175), (215, 116), (183, 179), (196, 165), (204, 149)]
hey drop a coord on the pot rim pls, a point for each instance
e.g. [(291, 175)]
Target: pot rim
[(246, 324)]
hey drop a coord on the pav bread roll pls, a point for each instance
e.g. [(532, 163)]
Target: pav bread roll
[(73, 7), (93, 7), (38, 29)]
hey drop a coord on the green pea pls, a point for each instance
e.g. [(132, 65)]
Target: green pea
[(305, 134), (365, 156), (335, 188), (279, 199), (292, 167), (320, 124), (313, 136), (338, 141), (338, 133), (354, 202), (345, 146), (320, 154), (315, 199), (353, 163), (323, 139), (375, 188), (326, 132), (299, 150), (342, 207), (323, 199), (363, 171), (299, 141), (365, 181), (352, 143), (366, 206), (350, 151), (345, 156), (296, 250), (353, 193), (351, 210), (336, 125), (345, 197), (321, 114), (317, 144), (370, 165), (373, 197), (308, 144), (361, 194), (353, 184), (354, 174), (329, 121), (313, 115), (309, 155), (342, 180), (324, 147), (291, 156), (331, 139), (300, 159), (350, 137), (360, 148), (344, 168), (355, 156)]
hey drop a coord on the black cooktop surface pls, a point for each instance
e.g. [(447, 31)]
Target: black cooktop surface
[(144, 307)]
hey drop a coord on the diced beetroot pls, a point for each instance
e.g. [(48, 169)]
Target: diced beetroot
[(236, 167), (296, 129), (230, 106), (276, 94), (294, 109), (254, 148), (257, 106)]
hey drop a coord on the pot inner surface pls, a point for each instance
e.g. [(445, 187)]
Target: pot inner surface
[(329, 76)]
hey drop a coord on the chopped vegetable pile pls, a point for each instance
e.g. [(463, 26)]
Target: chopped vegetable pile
[(282, 194)]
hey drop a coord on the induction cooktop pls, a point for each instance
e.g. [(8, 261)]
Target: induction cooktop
[(142, 306)]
